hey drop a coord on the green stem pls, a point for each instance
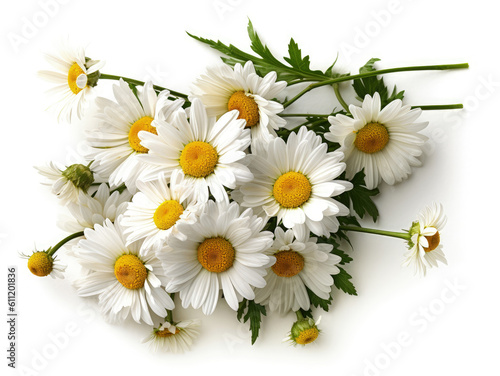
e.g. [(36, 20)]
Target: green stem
[(141, 83), (299, 315), (64, 241), (440, 107), (374, 73), (400, 235), (336, 89)]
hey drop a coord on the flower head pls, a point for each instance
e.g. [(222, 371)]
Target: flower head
[(304, 331), (176, 338), (385, 143), (67, 182), (42, 264), (425, 248), (75, 75), (223, 89)]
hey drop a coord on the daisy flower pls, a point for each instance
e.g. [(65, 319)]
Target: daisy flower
[(176, 338), (67, 182), (116, 144), (299, 264), (43, 263), (158, 208), (224, 250), (223, 89), (74, 77), (294, 181), (128, 280), (425, 248), (385, 143), (210, 154), (304, 331), (95, 209)]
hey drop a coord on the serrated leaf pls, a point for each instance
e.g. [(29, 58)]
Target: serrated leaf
[(343, 282), (316, 301), (360, 197), (254, 313)]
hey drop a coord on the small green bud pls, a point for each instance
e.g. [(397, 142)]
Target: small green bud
[(80, 175)]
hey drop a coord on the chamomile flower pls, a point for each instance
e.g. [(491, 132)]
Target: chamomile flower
[(384, 142), (127, 279), (300, 263), (425, 248), (295, 182), (116, 142), (210, 153), (95, 209), (223, 89), (223, 250), (158, 208), (67, 182), (304, 331), (74, 77), (176, 338), (43, 263)]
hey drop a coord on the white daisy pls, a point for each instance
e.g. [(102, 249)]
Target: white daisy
[(299, 264), (176, 338), (42, 264), (95, 209), (223, 89), (425, 248), (75, 76), (115, 141), (224, 250), (304, 331), (67, 182), (128, 280), (158, 208), (385, 143), (294, 181), (210, 154)]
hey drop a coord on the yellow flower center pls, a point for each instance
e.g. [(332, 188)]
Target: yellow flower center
[(371, 138), (198, 159), (143, 124), (288, 263), (165, 333), (433, 242), (167, 214), (130, 272), (307, 336), (216, 254), (40, 264), (74, 72), (292, 189), (248, 108)]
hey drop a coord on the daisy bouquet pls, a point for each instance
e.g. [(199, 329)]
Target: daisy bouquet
[(225, 195)]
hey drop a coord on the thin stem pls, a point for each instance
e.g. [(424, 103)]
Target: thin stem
[(400, 235), (64, 241), (440, 107), (374, 73), (299, 315), (336, 89), (140, 83)]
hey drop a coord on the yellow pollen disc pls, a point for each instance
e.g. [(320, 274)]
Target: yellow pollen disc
[(292, 189), (198, 159), (307, 336), (433, 242), (130, 272), (167, 214), (165, 333), (288, 263), (143, 124), (216, 254), (248, 108), (371, 138), (74, 72), (40, 264)]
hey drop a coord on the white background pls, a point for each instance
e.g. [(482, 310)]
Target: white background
[(147, 39)]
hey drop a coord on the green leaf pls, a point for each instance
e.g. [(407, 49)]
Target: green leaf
[(370, 85), (360, 197), (336, 250), (316, 301), (254, 311), (343, 282)]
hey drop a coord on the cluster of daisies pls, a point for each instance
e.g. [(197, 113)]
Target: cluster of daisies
[(191, 200)]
